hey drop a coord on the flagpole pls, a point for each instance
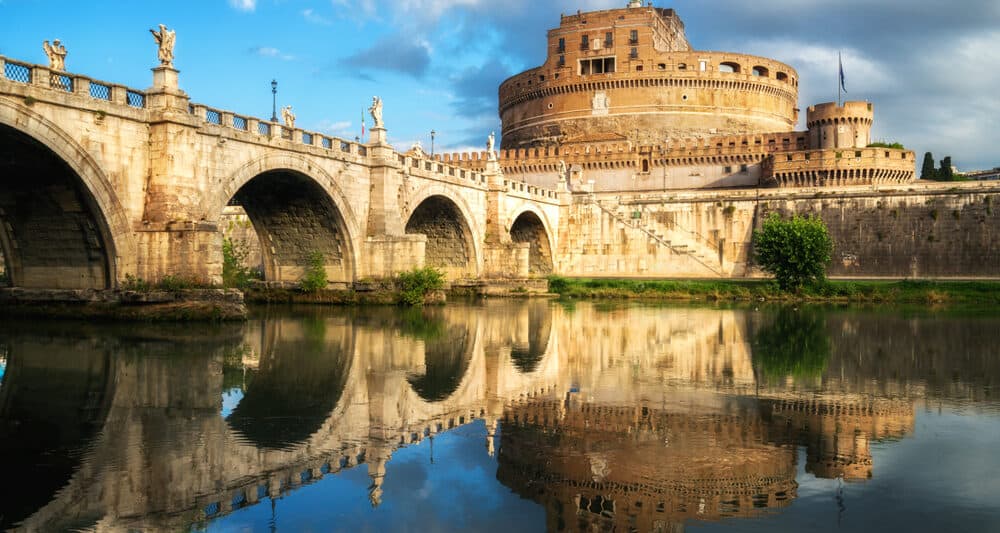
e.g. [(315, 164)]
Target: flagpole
[(840, 77)]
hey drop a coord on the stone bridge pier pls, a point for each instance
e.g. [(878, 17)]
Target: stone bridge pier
[(101, 183)]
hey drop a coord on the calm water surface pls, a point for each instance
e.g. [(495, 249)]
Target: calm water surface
[(526, 416)]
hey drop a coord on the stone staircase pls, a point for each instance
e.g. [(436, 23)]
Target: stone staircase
[(677, 239)]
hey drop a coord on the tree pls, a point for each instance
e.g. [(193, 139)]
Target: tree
[(928, 172), (796, 251), (946, 173)]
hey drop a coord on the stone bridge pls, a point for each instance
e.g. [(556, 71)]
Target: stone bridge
[(99, 182)]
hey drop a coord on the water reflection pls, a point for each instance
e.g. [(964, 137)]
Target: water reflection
[(606, 417)]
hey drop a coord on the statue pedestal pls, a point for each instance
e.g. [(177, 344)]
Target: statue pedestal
[(165, 77), (378, 136)]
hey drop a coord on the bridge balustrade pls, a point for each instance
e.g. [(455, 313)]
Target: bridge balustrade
[(39, 75)]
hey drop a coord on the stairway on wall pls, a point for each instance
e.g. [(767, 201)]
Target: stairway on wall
[(677, 239)]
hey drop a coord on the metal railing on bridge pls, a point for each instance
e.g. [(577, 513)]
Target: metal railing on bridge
[(41, 76)]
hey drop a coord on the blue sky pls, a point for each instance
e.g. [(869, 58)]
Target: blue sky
[(932, 71)]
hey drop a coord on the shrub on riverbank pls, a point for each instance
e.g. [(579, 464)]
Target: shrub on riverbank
[(416, 284), (797, 251)]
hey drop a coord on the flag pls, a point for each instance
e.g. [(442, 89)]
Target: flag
[(362, 124), (843, 82)]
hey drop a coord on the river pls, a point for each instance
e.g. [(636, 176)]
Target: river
[(506, 415)]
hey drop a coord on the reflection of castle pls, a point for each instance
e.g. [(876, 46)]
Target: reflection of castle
[(625, 102)]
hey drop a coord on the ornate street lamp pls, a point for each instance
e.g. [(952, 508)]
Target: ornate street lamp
[(274, 100)]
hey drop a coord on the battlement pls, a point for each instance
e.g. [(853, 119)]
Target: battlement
[(831, 112)]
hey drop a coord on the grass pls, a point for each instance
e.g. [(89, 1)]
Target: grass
[(896, 292)]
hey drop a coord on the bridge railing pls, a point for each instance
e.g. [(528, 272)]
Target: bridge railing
[(275, 130), (527, 189), (44, 77), (423, 165)]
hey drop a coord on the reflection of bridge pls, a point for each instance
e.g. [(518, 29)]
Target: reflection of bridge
[(616, 416), (98, 181)]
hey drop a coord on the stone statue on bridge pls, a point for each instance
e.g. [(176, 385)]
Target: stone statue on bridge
[(165, 39), (288, 117), (491, 143), (376, 111), (56, 53)]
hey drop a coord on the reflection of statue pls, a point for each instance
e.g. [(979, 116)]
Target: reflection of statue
[(56, 53), (491, 142), (165, 39), (376, 111), (288, 116)]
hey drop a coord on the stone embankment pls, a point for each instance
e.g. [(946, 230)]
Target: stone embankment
[(180, 305)]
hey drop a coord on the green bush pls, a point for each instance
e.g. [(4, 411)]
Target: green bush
[(415, 284), (235, 272), (315, 274), (172, 283), (558, 284), (795, 251), (135, 283)]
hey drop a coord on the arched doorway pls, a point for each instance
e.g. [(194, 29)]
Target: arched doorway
[(527, 227), (450, 247), (53, 235), (294, 221)]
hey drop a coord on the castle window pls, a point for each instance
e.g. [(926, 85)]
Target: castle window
[(634, 54), (733, 68), (562, 62), (857, 154), (638, 68), (645, 166), (760, 72), (633, 37), (584, 42), (609, 40), (728, 170), (682, 66), (781, 76), (603, 65), (744, 169), (562, 45), (788, 157), (661, 66), (703, 65)]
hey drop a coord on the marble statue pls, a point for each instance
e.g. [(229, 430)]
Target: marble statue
[(491, 142), (288, 117), (165, 39), (562, 170), (56, 53), (376, 111)]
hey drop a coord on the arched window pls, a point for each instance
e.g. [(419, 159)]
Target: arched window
[(760, 71), (729, 67), (645, 166), (781, 76)]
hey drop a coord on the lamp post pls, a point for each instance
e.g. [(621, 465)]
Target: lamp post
[(274, 100), (433, 133)]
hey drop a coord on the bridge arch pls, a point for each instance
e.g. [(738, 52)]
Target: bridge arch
[(67, 226), (296, 208), (454, 241), (530, 224)]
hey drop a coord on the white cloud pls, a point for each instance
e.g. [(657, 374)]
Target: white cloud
[(244, 5), (271, 52), (312, 16)]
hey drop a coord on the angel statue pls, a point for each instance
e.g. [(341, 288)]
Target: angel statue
[(165, 39), (56, 53), (376, 111), (491, 143), (288, 116)]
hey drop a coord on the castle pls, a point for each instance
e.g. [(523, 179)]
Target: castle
[(623, 103)]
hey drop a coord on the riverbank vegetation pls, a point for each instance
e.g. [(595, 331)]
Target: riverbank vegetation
[(840, 291)]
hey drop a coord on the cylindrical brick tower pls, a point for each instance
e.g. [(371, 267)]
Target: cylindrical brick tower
[(630, 74), (832, 126)]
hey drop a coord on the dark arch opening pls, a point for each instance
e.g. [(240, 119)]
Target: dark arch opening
[(529, 228), (52, 233), (449, 240), (292, 218), (298, 383), (447, 353), (527, 353)]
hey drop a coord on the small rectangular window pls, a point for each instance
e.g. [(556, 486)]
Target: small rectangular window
[(744, 168), (634, 54), (728, 170), (562, 61), (633, 37), (609, 40), (562, 44), (585, 42), (703, 65)]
